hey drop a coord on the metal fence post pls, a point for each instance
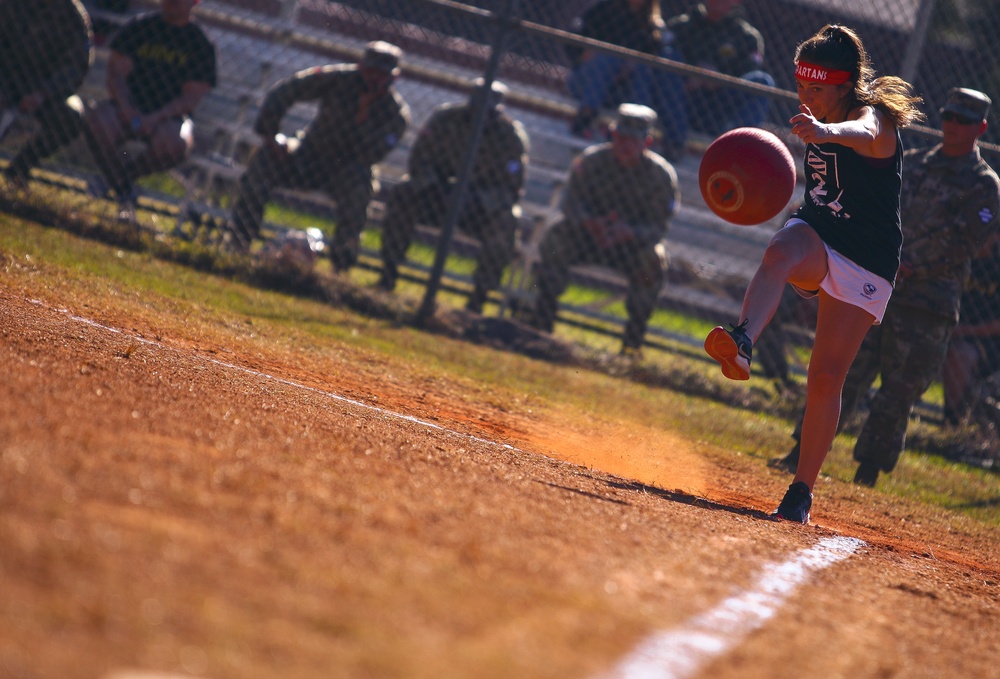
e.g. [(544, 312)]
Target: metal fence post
[(915, 46), (504, 27)]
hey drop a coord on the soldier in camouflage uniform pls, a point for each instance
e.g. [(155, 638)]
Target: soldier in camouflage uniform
[(616, 211), (950, 200), (45, 53), (974, 350), (490, 212), (714, 35), (360, 119)]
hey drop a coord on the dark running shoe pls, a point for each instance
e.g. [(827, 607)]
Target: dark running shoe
[(732, 349), (867, 475), (796, 504)]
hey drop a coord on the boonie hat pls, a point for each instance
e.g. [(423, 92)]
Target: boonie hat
[(383, 56), (971, 104), (634, 120)]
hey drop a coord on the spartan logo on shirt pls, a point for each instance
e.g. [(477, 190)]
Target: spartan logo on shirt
[(823, 172)]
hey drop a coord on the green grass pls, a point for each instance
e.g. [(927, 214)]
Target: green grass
[(668, 390), (423, 254)]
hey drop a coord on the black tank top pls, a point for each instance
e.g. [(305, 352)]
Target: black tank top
[(852, 202)]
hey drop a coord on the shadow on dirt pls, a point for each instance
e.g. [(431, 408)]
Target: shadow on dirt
[(967, 445), (686, 499)]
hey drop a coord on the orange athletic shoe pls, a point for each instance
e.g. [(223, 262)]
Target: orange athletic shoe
[(732, 349)]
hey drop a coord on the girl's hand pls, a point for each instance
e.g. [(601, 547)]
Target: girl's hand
[(807, 128)]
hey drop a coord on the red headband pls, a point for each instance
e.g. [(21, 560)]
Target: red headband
[(818, 74)]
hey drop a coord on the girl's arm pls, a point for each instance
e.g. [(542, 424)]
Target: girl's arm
[(866, 130)]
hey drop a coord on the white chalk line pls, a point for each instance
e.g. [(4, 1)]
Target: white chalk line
[(684, 650), (673, 654), (279, 380)]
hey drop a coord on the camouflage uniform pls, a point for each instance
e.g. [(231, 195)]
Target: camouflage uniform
[(644, 198), (949, 206), (981, 306), (977, 336), (490, 210), (46, 48), (336, 153)]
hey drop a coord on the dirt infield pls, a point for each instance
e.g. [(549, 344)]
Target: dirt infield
[(175, 499)]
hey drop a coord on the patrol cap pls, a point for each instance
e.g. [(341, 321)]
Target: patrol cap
[(383, 56), (971, 104), (497, 91), (634, 120)]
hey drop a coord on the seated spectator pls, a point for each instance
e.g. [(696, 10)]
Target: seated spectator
[(360, 120), (45, 53), (618, 202), (974, 350), (103, 28), (490, 209), (600, 80), (161, 66), (713, 35)]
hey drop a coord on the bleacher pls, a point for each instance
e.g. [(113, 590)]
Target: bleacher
[(257, 48)]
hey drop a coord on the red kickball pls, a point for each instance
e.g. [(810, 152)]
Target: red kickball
[(747, 176)]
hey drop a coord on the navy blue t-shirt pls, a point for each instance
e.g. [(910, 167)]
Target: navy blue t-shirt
[(164, 57)]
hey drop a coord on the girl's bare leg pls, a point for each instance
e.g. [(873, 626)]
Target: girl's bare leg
[(794, 255), (840, 328)]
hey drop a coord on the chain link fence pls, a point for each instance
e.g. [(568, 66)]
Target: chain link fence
[(499, 191)]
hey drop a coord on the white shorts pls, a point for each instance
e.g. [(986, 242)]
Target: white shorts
[(850, 283)]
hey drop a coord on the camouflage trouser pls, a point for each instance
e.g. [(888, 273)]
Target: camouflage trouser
[(351, 187), (643, 264), (414, 202), (907, 350)]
